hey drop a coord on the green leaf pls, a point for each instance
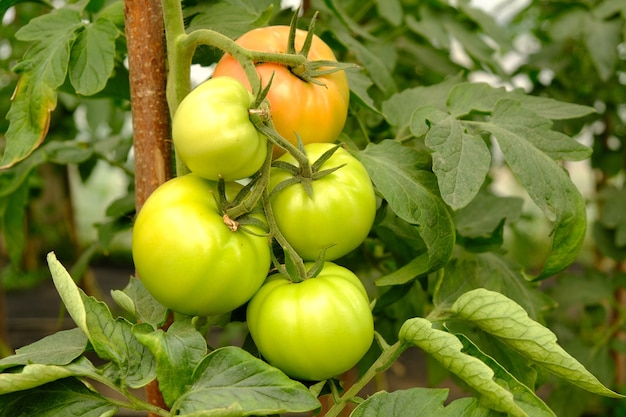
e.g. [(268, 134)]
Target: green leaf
[(483, 215), (399, 108), (93, 57), (230, 378), (13, 222), (390, 10), (136, 299), (43, 70), (461, 161), (232, 18), (519, 133), (114, 340), (492, 271), (111, 339), (602, 38), (7, 4), (376, 68), (481, 97), (359, 85), (66, 397), (506, 320), (525, 397), (412, 195), (420, 402), (428, 27), (447, 349), (488, 24), (59, 348), (177, 351), (472, 42), (35, 375)]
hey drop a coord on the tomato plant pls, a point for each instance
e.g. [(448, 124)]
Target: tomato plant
[(338, 213), (451, 264), (212, 132), (314, 329), (315, 110), (186, 255)]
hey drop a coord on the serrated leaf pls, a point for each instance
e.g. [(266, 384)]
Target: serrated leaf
[(230, 378), (547, 184), (66, 397), (492, 271), (399, 107), (602, 38), (111, 339), (34, 375), (93, 57), (232, 18), (421, 402), (412, 195), (481, 97), (59, 348), (114, 340), (144, 307), (461, 161), (481, 217), (177, 351), (506, 320), (43, 70), (447, 349), (525, 397)]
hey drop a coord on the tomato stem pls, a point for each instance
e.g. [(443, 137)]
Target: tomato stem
[(384, 361)]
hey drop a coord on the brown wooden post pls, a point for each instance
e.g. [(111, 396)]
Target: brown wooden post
[(151, 119)]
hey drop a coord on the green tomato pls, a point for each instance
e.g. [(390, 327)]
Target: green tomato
[(340, 211), (213, 134), (315, 329), (187, 257)]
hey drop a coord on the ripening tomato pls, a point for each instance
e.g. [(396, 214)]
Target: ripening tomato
[(213, 134), (317, 113), (340, 212), (188, 258), (314, 329)]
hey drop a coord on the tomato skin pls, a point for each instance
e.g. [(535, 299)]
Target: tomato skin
[(213, 134), (316, 112), (315, 329), (340, 213), (185, 255)]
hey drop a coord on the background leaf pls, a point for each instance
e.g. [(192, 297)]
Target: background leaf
[(501, 317), (411, 193), (60, 398), (230, 378), (447, 350)]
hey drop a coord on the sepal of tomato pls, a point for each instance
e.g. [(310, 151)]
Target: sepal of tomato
[(188, 258), (316, 113), (213, 134), (339, 213), (314, 329)]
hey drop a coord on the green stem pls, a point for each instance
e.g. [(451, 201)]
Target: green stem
[(245, 57), (256, 193), (276, 234), (384, 361), (268, 130), (134, 403)]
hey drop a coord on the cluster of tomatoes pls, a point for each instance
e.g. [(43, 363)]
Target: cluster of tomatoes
[(196, 263)]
